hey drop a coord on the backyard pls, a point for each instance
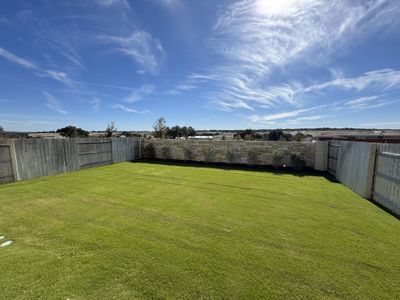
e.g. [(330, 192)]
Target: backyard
[(147, 230)]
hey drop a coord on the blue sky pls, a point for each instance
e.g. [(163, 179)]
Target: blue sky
[(205, 63)]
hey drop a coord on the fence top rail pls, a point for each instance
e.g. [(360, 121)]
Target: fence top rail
[(4, 145), (94, 142), (389, 154)]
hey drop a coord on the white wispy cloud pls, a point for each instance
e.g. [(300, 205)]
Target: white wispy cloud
[(130, 110), (95, 102), (64, 41), (141, 47), (257, 37), (269, 33), (54, 104), (140, 93), (123, 3), (18, 60), (304, 119), (384, 79), (273, 117), (369, 102), (388, 124), (55, 75)]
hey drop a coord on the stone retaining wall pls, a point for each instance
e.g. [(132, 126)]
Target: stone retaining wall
[(242, 152)]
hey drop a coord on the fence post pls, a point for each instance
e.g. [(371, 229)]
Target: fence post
[(321, 155), (140, 147), (14, 162), (338, 161), (371, 171), (133, 148), (111, 150)]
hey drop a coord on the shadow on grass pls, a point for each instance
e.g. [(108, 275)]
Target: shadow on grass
[(225, 166)]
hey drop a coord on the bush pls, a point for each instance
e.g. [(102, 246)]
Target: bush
[(188, 153), (252, 157), (165, 151), (209, 154), (298, 161), (149, 151), (277, 158), (232, 156)]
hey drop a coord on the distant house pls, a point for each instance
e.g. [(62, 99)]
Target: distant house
[(201, 137), (45, 135)]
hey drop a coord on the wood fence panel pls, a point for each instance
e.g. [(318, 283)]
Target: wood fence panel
[(119, 149), (333, 156), (71, 155), (386, 189), (39, 157), (355, 166), (131, 153), (6, 168), (94, 152)]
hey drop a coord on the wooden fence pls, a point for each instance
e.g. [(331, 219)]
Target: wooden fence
[(371, 170), (22, 159), (6, 169), (386, 182), (333, 156)]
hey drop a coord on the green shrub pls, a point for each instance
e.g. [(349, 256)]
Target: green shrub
[(188, 153), (252, 157), (149, 151), (165, 152), (277, 158), (298, 161), (232, 156), (209, 154)]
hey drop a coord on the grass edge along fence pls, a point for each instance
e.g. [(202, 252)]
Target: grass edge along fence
[(22, 159)]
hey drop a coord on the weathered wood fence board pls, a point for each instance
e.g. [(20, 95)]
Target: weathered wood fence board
[(371, 170), (71, 154), (94, 152), (333, 156), (39, 157), (6, 169), (355, 166), (386, 187), (22, 159)]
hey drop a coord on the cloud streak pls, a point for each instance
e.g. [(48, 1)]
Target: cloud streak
[(54, 104), (141, 47), (258, 38), (130, 110)]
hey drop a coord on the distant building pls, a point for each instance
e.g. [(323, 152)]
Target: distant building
[(45, 135), (201, 137)]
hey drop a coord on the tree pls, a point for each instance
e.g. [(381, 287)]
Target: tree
[(72, 131), (247, 135), (111, 128), (191, 131), (1, 131), (279, 135), (275, 135), (177, 131), (159, 128)]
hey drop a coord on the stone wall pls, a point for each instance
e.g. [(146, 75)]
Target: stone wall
[(241, 152)]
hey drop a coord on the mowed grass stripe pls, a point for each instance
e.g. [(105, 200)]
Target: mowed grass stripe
[(141, 230)]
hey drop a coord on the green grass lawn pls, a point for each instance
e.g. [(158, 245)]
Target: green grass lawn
[(142, 230)]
